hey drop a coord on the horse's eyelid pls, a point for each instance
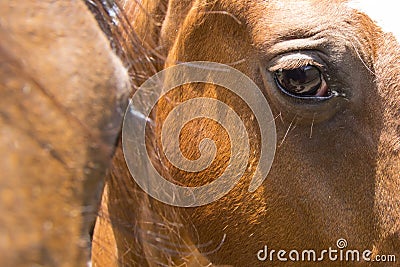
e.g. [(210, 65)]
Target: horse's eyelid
[(294, 64)]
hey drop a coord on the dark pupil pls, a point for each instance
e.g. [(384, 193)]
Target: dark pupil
[(303, 81)]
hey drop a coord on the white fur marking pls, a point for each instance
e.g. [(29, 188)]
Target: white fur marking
[(385, 13)]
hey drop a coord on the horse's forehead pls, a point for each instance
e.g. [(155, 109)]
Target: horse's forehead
[(384, 12)]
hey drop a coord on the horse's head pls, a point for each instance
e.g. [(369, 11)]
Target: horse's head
[(62, 92), (331, 77)]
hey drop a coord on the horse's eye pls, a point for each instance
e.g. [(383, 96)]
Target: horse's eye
[(305, 81)]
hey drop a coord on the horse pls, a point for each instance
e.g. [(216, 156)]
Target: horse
[(328, 71), (63, 93), (330, 75)]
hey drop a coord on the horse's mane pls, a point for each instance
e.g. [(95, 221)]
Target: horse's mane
[(115, 19), (145, 222)]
